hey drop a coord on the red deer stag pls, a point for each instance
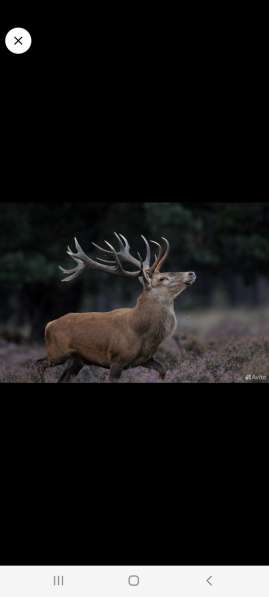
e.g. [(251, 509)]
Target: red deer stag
[(119, 338)]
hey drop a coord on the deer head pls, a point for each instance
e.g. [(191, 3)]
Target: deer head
[(162, 285)]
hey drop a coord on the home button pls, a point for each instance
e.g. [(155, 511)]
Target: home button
[(134, 580)]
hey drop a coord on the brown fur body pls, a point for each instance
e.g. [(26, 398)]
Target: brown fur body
[(127, 336)]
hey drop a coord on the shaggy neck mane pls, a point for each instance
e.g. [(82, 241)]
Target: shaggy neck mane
[(148, 299)]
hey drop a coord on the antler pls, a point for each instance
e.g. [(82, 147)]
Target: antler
[(123, 254), (82, 260), (161, 257), (114, 265)]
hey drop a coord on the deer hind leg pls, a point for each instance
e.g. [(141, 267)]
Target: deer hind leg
[(157, 366), (42, 365), (73, 367)]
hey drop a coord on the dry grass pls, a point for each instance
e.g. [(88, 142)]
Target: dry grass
[(209, 346)]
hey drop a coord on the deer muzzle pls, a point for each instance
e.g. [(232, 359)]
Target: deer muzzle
[(190, 278)]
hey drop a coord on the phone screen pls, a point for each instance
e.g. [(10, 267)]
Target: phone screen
[(134, 250)]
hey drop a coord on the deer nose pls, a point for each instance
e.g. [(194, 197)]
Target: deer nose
[(192, 275)]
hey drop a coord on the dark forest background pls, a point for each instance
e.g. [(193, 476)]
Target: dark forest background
[(227, 245)]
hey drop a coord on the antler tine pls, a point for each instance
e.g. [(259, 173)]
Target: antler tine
[(100, 248), (125, 255), (146, 262), (161, 256), (158, 245), (116, 256), (157, 255), (119, 239), (164, 256), (108, 261), (69, 271), (124, 252), (126, 242), (106, 250), (74, 272)]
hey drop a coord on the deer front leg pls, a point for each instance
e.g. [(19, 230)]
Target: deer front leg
[(157, 366), (115, 371)]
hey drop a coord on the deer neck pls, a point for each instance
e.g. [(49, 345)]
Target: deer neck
[(148, 300), (154, 316)]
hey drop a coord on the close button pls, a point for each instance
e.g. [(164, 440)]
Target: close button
[(18, 40)]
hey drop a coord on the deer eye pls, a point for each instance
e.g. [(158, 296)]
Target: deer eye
[(163, 278)]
